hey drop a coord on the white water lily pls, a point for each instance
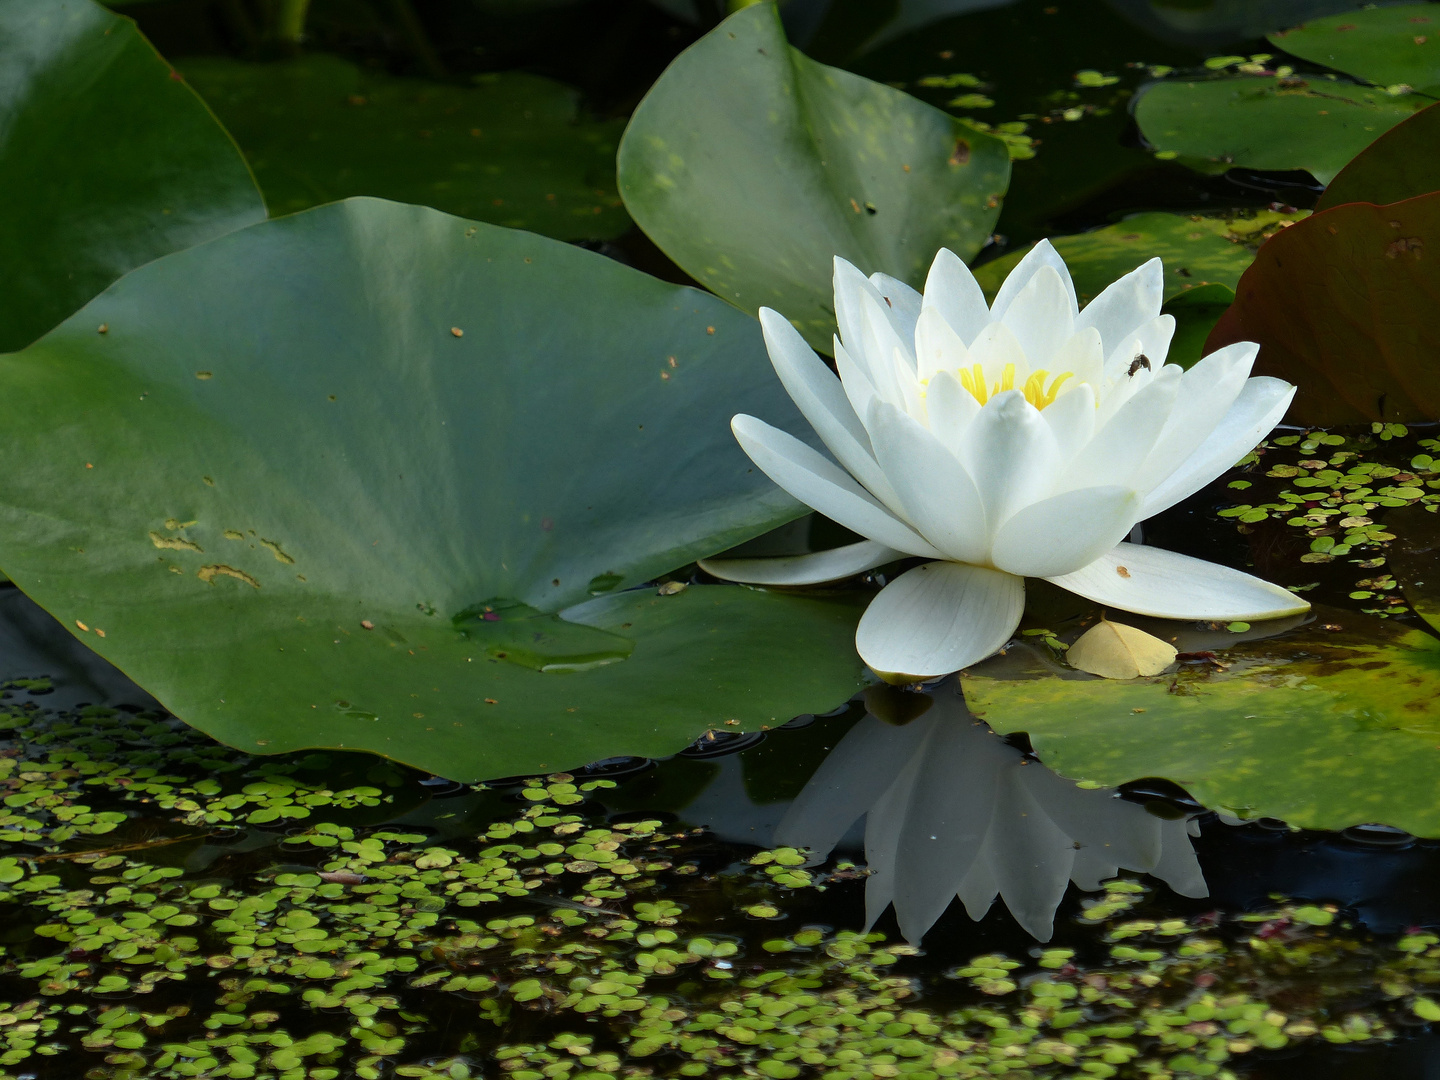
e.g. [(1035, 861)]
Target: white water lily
[(1023, 439)]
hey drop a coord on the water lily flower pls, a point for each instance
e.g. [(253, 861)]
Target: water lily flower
[(1023, 439), (951, 809)]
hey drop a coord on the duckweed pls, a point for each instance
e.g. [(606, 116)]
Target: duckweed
[(557, 944)]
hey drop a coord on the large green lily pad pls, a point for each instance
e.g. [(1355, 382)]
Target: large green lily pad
[(512, 150), (108, 161), (752, 167), (1389, 45), (1262, 122), (1197, 251), (1402, 163), (302, 461), (1327, 726), (1342, 305)]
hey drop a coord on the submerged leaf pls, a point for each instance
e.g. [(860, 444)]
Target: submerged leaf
[(109, 161), (1342, 305), (1115, 651), (752, 166), (1324, 726), (280, 475)]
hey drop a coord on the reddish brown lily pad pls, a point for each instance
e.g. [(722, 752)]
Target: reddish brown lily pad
[(1346, 305)]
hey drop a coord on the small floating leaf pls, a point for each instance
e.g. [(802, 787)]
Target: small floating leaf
[(1116, 651)]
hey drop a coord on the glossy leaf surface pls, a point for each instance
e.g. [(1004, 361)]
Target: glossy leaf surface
[(1271, 123), (1389, 45), (108, 161), (1323, 728), (1342, 305), (752, 167), (303, 460), (1400, 164), (512, 150)]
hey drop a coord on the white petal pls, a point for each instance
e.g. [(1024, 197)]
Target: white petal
[(809, 569), (938, 618), (903, 302), (821, 399), (950, 409), (936, 494), (1126, 304), (1260, 406), (1150, 339), (993, 348), (850, 779), (1071, 418), (1042, 318), (937, 346), (855, 380), (1084, 357), (821, 485), (1207, 392), (885, 356), (1042, 254), (1066, 532), (1121, 445), (952, 291), (850, 285), (1010, 454), (1172, 586)]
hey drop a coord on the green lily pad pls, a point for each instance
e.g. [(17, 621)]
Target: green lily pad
[(1401, 164), (283, 487), (1197, 251), (752, 166), (108, 161), (1340, 304), (1312, 122), (512, 150), (1330, 725), (1383, 45)]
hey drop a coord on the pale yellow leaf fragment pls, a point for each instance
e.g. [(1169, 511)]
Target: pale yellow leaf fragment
[(1116, 651)]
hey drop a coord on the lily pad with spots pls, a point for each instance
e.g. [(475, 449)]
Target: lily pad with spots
[(1401, 164), (109, 161), (1325, 726), (752, 166), (324, 482), (1311, 122), (1396, 44), (514, 149)]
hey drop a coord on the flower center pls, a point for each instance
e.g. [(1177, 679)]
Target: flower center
[(1034, 389)]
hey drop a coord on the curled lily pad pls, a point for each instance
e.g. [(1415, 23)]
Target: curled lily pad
[(1400, 164), (283, 487), (512, 149), (1398, 44), (1325, 726), (752, 166), (108, 160), (1309, 122), (1342, 306)]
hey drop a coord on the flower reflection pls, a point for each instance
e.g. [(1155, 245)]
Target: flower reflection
[(953, 810)]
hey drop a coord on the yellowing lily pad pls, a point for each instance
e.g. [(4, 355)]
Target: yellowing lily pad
[(1329, 725), (1116, 651)]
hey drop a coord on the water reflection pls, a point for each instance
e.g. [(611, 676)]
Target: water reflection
[(953, 811)]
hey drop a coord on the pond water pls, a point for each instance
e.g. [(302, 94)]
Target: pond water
[(1230, 869)]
